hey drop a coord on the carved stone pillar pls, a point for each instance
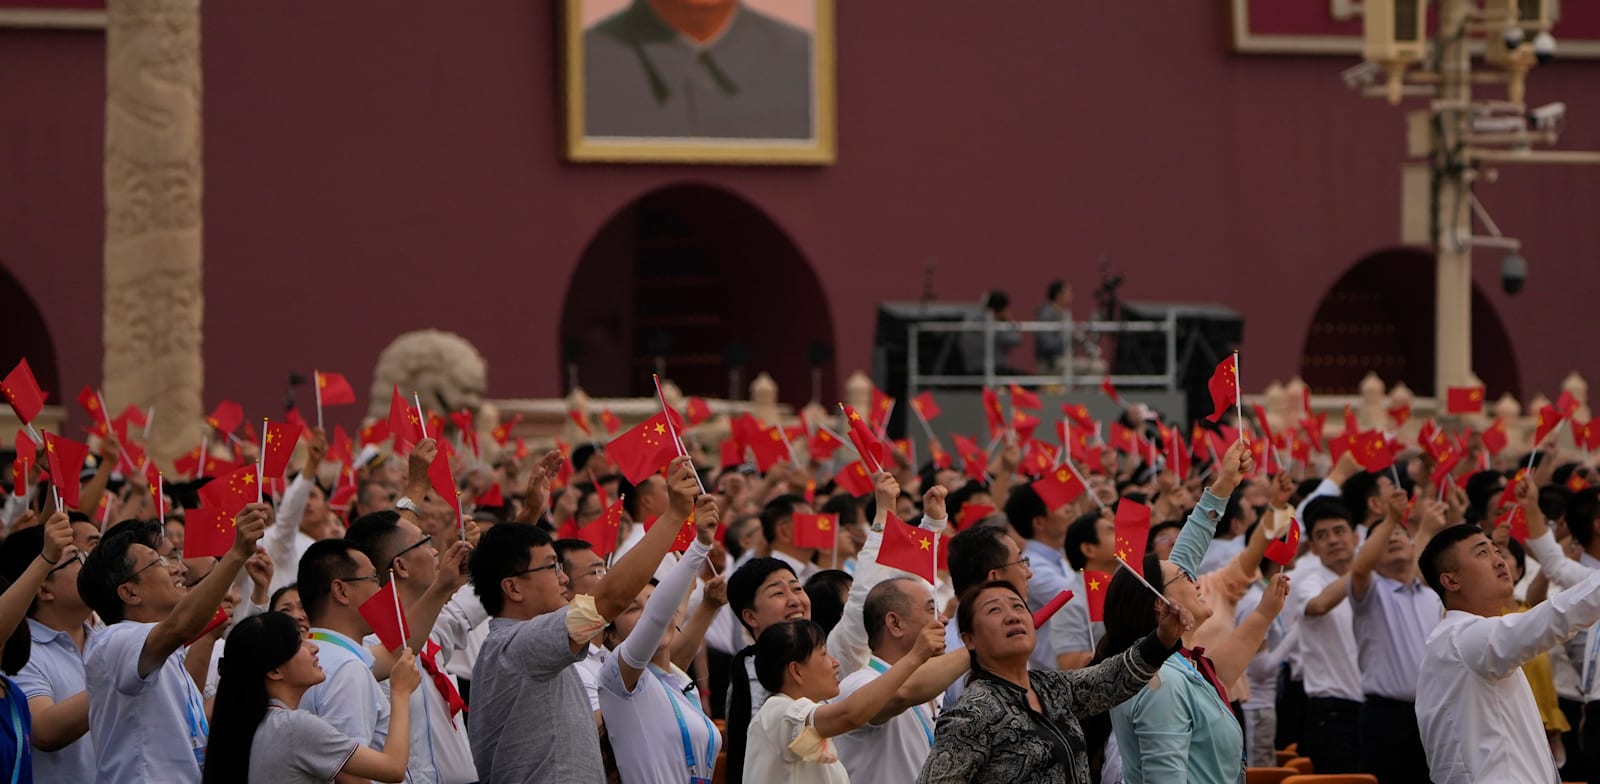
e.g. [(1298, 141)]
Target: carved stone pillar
[(154, 302)]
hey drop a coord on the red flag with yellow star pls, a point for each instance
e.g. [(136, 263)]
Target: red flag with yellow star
[(907, 548), (89, 398), (1401, 414), (405, 423), (925, 405), (278, 446), (609, 421), (646, 447), (1079, 414), (972, 514), (1373, 452), (1549, 419), (769, 448), (1058, 489), (1024, 424), (992, 412), (937, 454), (601, 533), (1133, 532), (975, 461), (865, 441), (1022, 398), (882, 407), (1224, 386), (207, 531), (1282, 551), (22, 392), (1464, 400), (444, 485), (1095, 585), (1567, 403), (64, 459), (502, 432), (815, 531), (582, 421), (333, 389), (854, 479), (698, 411), (1494, 437), (227, 417)]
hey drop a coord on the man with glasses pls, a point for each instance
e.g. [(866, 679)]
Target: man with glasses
[(1327, 647), (426, 584), (530, 719), (584, 570), (52, 680), (335, 579), (145, 714)]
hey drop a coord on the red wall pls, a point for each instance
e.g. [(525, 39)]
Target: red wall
[(382, 166)]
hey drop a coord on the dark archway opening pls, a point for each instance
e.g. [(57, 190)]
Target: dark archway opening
[(703, 280), (1380, 317), (23, 334)]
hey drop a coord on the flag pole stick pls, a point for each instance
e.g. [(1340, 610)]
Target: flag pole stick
[(105, 515), (1144, 582), (33, 434), (927, 429), (793, 457), (398, 615), (1238, 396), (259, 492), (883, 432), (1535, 451), (316, 386), (55, 496), (1085, 483), (677, 442), (200, 465), (422, 416), (149, 420)]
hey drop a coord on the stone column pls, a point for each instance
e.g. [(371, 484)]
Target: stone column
[(153, 297)]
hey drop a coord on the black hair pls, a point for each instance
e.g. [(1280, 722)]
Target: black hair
[(1553, 501), (629, 493), (1563, 473), (827, 590), (17, 552), (378, 535), (783, 644), (1439, 548), (502, 551), (965, 609), (844, 505), (955, 500), (1054, 290), (278, 594), (1519, 555), (1023, 507), (746, 580), (1304, 490), (1356, 492), (324, 561), (884, 598), (730, 537), (974, 553), (1234, 508), (1482, 488), (258, 645), (565, 546), (581, 455), (1082, 531), (1155, 530), (107, 568), (776, 511), (1130, 612), (1324, 507), (997, 300), (146, 532), (1581, 513)]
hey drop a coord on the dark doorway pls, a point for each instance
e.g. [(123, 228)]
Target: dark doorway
[(1380, 317), (23, 334), (700, 278)]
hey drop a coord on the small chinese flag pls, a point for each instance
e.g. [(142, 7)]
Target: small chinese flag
[(864, 440), (992, 412), (64, 459), (1095, 585), (1582, 433), (333, 389), (228, 494), (1447, 463), (278, 446), (581, 421), (1372, 451), (1051, 608), (810, 493), (974, 459), (1282, 551), (1079, 414), (1111, 390), (643, 449), (502, 432), (907, 548), (220, 618), (19, 477), (491, 497), (1123, 439), (405, 423), (1577, 483), (227, 417), (1518, 522), (375, 432), (384, 615), (340, 449), (854, 479), (936, 452), (1549, 419), (1133, 531), (1313, 425), (443, 483), (1401, 414), (22, 392), (1494, 437), (1567, 404), (1224, 386), (207, 531), (972, 514), (769, 448), (90, 400), (924, 405), (27, 450), (1059, 489), (1024, 424), (684, 538), (1509, 494), (1022, 398), (609, 421), (815, 531), (1261, 421), (698, 410), (882, 406), (732, 453), (601, 533), (1464, 400)]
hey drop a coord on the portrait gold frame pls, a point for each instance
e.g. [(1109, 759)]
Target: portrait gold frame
[(819, 150)]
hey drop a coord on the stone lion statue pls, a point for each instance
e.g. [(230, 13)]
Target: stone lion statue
[(442, 367)]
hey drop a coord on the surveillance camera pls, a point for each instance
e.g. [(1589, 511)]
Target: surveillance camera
[(1544, 47), (1513, 273), (1513, 36), (1548, 116), (1363, 75)]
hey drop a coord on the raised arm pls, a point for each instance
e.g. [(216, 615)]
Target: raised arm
[(15, 601), (929, 681), (713, 597), (1554, 565), (620, 585), (1493, 647), (848, 640), (1233, 655), (1195, 536), (110, 452), (837, 718), (1100, 687), (390, 763), (635, 652), (537, 495), (448, 579), (1371, 551), (197, 607)]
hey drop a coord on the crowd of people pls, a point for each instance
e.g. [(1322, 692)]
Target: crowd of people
[(1382, 620)]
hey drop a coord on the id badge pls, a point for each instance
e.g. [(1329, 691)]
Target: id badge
[(699, 780)]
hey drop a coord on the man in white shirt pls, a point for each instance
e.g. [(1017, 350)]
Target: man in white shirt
[(297, 525), (1475, 709), (1327, 645), (584, 570), (777, 525), (145, 713)]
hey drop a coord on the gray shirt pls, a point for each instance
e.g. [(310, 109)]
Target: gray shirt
[(530, 718), (642, 78), (1392, 623), (55, 670), (297, 747)]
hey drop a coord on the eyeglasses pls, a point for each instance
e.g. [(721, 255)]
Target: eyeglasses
[(1024, 560), (160, 559), (75, 558), (598, 571), (535, 569), (1182, 575), (426, 540), (372, 577)]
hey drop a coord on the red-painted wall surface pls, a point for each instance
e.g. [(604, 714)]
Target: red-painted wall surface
[(374, 167)]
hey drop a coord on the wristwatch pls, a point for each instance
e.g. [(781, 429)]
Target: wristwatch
[(404, 503)]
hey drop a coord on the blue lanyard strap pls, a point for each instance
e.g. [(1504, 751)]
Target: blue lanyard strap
[(916, 710), (13, 695), (683, 727), (339, 641)]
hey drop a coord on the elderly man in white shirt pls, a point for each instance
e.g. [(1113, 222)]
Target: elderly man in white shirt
[(1474, 706)]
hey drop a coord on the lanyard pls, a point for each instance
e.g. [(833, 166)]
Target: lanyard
[(339, 641), (12, 693), (199, 729), (916, 710), (683, 727)]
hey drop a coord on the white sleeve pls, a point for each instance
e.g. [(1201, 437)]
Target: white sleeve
[(848, 640), (15, 505), (457, 619), (1325, 487), (1493, 647), (291, 510), (1561, 571)]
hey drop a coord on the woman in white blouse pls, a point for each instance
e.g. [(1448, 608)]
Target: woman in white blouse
[(657, 728), (789, 736)]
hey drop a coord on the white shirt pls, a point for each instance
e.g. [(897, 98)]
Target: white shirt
[(349, 698), (284, 541), (647, 734), (891, 752), (150, 728), (784, 746), (801, 569), (1474, 706), (1583, 650), (440, 752), (589, 672), (1328, 661)]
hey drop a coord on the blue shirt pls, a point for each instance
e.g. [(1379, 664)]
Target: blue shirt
[(149, 728), (1177, 728), (1195, 536), (55, 670), (1392, 623), (16, 735), (349, 698), (1051, 576)]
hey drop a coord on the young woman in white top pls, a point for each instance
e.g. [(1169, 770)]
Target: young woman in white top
[(789, 736), (257, 733), (653, 716)]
